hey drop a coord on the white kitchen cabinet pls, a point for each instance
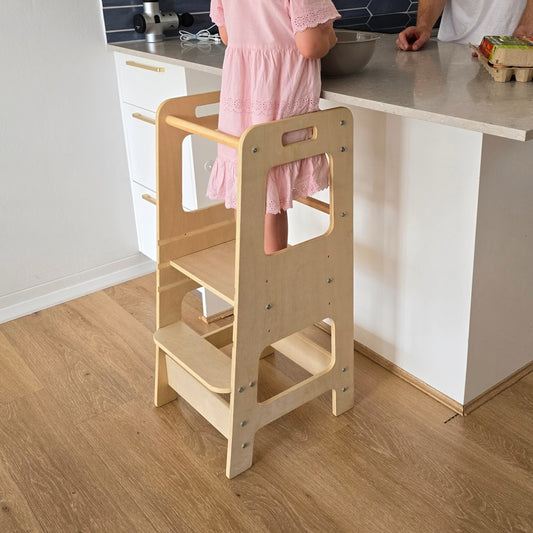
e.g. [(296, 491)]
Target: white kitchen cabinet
[(144, 207), (140, 144), (144, 84)]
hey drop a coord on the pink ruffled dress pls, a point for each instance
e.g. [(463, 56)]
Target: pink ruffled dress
[(265, 78)]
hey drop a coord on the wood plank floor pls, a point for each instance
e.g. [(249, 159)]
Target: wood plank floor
[(83, 449)]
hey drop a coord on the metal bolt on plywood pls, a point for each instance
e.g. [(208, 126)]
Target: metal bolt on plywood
[(305, 283)]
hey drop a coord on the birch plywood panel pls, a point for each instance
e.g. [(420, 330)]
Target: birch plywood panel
[(269, 304)]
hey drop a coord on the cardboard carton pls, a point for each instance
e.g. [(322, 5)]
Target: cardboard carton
[(507, 51)]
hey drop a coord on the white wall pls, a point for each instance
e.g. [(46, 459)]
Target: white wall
[(66, 218)]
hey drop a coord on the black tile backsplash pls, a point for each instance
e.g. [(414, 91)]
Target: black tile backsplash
[(387, 16)]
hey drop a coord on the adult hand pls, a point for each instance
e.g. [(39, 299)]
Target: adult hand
[(525, 26), (413, 38), (524, 30)]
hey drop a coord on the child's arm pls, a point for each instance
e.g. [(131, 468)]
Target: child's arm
[(315, 43), (217, 16), (223, 34)]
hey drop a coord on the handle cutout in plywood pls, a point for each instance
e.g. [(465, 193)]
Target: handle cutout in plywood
[(334, 137), (302, 135), (145, 67)]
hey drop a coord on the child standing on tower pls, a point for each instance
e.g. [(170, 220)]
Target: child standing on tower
[(271, 71)]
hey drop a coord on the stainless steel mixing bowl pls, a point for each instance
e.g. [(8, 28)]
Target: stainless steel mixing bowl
[(351, 54)]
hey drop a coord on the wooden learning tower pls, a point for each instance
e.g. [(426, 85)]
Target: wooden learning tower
[(274, 296)]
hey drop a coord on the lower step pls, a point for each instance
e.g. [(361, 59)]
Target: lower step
[(197, 356), (210, 405), (304, 352)]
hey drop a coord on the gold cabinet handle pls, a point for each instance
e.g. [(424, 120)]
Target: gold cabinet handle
[(138, 116), (145, 67), (149, 198)]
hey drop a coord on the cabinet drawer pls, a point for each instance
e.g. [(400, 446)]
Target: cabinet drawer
[(140, 144), (139, 128), (145, 220), (147, 82)]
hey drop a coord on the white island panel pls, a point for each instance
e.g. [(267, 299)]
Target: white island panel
[(501, 331), (415, 218)]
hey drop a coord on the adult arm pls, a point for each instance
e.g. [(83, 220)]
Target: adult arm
[(414, 37), (525, 26), (315, 43)]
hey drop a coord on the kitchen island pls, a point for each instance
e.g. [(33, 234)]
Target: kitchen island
[(442, 213)]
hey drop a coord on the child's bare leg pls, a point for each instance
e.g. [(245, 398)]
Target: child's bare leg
[(276, 232)]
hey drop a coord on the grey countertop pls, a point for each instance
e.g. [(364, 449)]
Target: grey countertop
[(442, 83)]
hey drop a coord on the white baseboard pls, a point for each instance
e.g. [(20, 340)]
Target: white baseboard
[(27, 301)]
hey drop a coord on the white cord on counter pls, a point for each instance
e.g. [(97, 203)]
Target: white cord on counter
[(202, 35)]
